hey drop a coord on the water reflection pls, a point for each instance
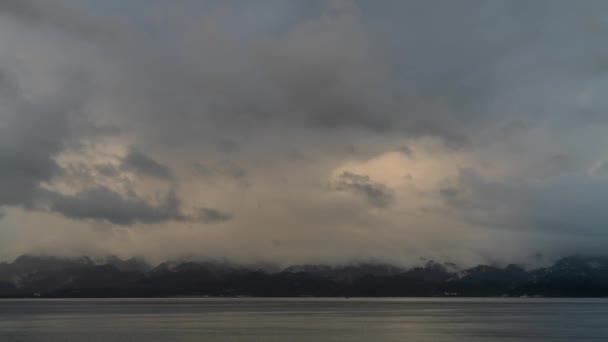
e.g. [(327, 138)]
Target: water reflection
[(304, 320)]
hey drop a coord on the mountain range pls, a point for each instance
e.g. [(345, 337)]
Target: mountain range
[(53, 277)]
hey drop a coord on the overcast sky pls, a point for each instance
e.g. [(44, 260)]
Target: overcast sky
[(304, 131)]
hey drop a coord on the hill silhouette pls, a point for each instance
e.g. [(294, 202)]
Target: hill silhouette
[(43, 276)]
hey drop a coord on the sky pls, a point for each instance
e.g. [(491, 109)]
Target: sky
[(304, 131)]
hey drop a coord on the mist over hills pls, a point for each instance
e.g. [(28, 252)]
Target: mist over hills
[(45, 276)]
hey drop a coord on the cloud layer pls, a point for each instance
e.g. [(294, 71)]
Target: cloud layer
[(303, 131)]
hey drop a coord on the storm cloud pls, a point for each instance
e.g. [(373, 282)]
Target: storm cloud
[(141, 163), (254, 131), (103, 204), (569, 205), (376, 194)]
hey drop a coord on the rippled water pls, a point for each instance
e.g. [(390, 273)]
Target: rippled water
[(152, 320)]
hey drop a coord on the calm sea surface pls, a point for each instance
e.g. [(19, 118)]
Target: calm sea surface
[(378, 320)]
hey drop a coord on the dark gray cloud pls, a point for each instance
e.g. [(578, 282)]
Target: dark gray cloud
[(210, 215), (222, 169), (20, 176), (569, 204), (65, 16), (103, 204), (375, 72), (405, 150), (107, 170), (375, 193), (140, 163), (227, 146), (32, 133)]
